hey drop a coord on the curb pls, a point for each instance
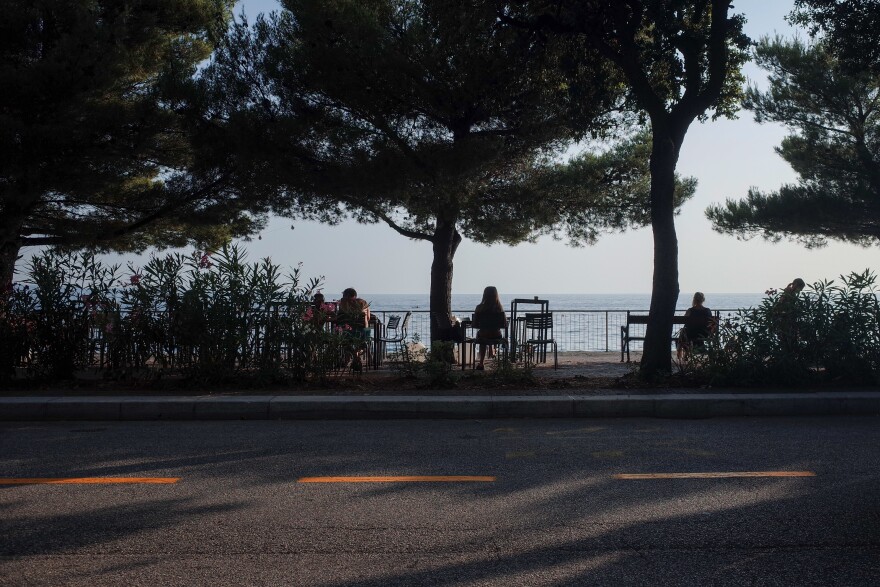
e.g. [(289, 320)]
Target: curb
[(709, 405)]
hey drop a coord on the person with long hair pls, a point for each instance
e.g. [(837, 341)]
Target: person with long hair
[(489, 306), (699, 324)]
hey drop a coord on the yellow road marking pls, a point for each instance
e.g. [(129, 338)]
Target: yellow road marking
[(714, 475), (398, 479), (85, 480)]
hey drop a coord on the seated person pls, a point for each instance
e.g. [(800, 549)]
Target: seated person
[(353, 312), (353, 315), (319, 312), (490, 306), (699, 324)]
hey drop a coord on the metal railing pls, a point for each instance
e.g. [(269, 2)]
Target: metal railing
[(574, 330)]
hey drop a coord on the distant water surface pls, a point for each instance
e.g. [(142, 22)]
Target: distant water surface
[(463, 304)]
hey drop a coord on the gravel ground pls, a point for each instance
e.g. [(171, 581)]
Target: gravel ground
[(583, 364)]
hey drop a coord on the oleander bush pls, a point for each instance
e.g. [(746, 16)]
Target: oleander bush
[(205, 317), (829, 332)]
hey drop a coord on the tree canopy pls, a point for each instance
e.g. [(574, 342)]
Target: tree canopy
[(94, 150), (848, 27), (834, 147), (430, 116)]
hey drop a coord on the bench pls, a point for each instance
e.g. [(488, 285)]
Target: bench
[(625, 336)]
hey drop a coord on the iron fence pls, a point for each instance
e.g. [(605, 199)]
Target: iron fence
[(574, 330)]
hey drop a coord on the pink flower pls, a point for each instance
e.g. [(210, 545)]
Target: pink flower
[(205, 261), (135, 279)]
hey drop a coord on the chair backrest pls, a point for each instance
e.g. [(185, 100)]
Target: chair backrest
[(490, 320), (698, 324), (405, 325), (393, 323), (542, 321)]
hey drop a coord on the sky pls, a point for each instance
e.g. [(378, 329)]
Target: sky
[(726, 156)]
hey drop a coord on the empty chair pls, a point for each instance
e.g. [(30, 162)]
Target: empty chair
[(539, 335), (395, 332)]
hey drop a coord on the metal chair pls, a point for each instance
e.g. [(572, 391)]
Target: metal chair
[(398, 332), (539, 335), (489, 320)]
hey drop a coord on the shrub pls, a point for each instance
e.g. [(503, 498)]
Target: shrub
[(830, 332), (209, 317)]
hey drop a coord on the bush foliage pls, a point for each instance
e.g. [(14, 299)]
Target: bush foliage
[(829, 332), (207, 317)]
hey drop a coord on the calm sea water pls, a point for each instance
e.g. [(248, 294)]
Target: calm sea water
[(463, 304)]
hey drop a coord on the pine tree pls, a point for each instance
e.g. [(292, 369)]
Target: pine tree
[(680, 60), (94, 150), (833, 113), (429, 116)]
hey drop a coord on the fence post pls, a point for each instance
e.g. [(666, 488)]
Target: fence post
[(606, 331)]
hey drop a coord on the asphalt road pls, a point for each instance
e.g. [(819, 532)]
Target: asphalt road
[(555, 514)]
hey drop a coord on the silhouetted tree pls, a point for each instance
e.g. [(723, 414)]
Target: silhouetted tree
[(93, 148), (429, 116), (680, 60), (834, 115), (850, 29)]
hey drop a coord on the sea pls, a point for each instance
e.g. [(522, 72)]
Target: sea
[(464, 304)]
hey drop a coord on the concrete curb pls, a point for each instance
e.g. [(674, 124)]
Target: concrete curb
[(670, 405)]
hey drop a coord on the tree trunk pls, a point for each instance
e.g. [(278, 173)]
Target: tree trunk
[(657, 358), (10, 244), (445, 242)]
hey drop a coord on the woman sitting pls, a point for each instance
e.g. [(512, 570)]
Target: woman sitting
[(698, 326), (488, 311)]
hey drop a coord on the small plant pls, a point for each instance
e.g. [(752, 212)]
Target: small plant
[(432, 366), (506, 372), (409, 360), (438, 365)]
